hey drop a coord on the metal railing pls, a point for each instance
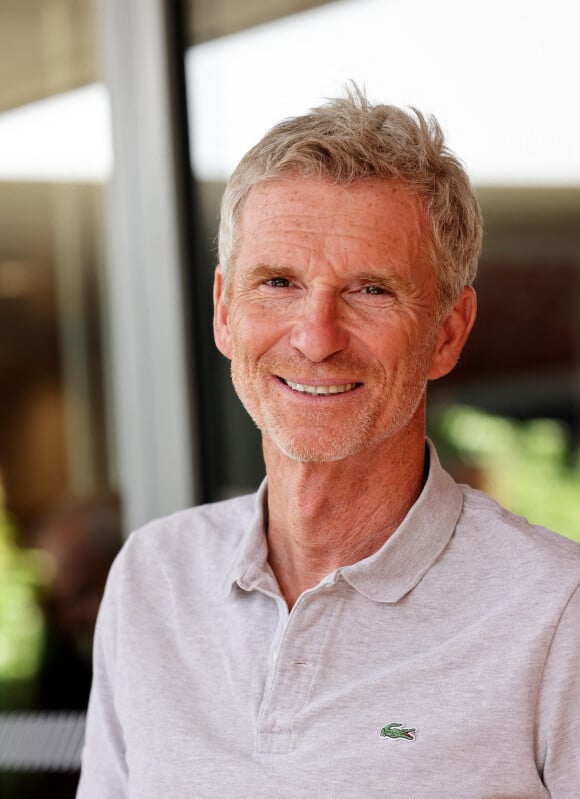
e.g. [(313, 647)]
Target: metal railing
[(41, 741)]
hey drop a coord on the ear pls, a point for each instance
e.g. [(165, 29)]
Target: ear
[(221, 322), (453, 334)]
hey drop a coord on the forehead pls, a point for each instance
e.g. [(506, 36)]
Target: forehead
[(363, 216)]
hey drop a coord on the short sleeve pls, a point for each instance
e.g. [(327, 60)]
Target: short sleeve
[(104, 770), (558, 726)]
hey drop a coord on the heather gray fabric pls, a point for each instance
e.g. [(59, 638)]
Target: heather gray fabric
[(459, 640)]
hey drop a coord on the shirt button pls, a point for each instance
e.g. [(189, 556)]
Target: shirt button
[(275, 655)]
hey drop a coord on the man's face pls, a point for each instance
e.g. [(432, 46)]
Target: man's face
[(329, 316)]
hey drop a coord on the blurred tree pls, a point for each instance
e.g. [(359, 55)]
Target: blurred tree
[(529, 467), (21, 623)]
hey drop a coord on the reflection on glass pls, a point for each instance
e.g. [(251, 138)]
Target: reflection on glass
[(54, 419)]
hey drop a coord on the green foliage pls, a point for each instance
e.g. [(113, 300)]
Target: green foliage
[(21, 624), (529, 467)]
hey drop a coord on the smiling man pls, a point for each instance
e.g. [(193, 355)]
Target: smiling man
[(330, 316), (362, 626)]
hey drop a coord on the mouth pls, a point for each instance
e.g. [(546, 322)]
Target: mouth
[(320, 391)]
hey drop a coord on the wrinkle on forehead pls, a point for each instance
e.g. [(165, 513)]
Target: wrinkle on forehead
[(331, 221), (298, 192)]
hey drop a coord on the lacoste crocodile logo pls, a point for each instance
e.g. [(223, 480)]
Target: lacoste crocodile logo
[(398, 731)]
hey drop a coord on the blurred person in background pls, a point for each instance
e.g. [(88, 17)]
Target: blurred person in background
[(80, 540)]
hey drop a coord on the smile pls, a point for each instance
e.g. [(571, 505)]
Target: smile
[(320, 390)]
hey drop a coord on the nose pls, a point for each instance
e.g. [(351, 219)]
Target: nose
[(319, 332)]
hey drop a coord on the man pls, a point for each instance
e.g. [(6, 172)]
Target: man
[(363, 626)]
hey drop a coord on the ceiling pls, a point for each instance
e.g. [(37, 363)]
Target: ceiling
[(46, 47), (210, 19), (50, 46)]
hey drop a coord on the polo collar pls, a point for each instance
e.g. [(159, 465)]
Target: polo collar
[(250, 568), (396, 568), (386, 575)]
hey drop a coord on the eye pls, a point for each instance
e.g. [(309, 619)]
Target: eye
[(278, 282), (374, 290)]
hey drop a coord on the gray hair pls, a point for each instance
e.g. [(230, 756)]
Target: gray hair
[(349, 139)]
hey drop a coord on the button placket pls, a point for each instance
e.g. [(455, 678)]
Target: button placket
[(292, 666)]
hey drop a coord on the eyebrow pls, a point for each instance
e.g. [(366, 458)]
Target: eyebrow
[(389, 281), (265, 271)]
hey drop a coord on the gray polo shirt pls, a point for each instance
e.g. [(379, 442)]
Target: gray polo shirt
[(446, 664)]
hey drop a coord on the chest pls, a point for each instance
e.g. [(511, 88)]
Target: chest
[(244, 701)]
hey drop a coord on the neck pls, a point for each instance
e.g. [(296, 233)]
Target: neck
[(325, 515)]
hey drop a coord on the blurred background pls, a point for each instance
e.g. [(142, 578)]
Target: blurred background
[(119, 123)]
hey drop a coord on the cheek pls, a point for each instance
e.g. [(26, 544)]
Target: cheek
[(253, 331), (394, 343), (406, 351)]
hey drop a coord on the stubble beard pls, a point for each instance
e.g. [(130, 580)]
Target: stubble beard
[(323, 442)]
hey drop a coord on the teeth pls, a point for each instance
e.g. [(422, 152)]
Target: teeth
[(317, 390)]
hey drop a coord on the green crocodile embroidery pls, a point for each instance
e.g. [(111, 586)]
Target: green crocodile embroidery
[(398, 731)]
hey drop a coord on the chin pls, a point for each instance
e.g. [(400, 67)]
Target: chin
[(303, 454), (326, 449), (329, 445)]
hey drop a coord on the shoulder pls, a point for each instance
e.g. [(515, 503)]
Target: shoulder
[(221, 519), (529, 550), (196, 540)]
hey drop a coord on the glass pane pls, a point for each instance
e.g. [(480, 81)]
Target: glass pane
[(477, 70), (59, 514)]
